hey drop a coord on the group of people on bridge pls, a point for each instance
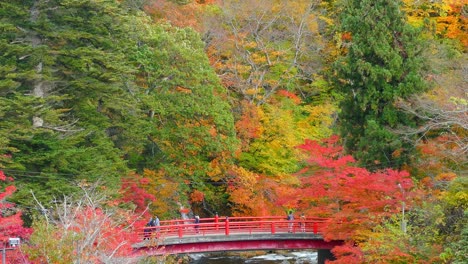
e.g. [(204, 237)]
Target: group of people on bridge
[(153, 222), (290, 218)]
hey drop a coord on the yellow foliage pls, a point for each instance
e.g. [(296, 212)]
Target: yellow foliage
[(313, 23), (165, 191), (246, 178), (446, 15), (258, 58), (250, 45), (251, 91)]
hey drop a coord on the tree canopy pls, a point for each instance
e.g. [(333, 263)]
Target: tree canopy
[(348, 109), (382, 61)]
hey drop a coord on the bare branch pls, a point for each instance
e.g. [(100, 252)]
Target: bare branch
[(90, 228), (43, 209), (450, 119)]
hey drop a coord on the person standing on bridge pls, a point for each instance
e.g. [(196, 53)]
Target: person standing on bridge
[(147, 231), (291, 221), (302, 223), (156, 223), (197, 224)]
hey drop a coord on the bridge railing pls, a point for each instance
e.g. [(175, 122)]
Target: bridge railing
[(233, 225)]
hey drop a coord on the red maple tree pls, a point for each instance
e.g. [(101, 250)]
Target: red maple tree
[(11, 224), (354, 198), (133, 190)]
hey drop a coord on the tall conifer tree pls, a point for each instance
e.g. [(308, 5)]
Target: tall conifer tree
[(382, 62)]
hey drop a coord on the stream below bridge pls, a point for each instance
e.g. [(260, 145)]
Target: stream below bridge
[(292, 257)]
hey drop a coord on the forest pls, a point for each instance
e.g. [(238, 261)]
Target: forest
[(112, 111)]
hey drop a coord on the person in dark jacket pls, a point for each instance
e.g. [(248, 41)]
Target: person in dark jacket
[(147, 231), (197, 224)]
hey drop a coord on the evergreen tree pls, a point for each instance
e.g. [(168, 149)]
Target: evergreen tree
[(382, 62), (64, 94), (92, 89), (193, 134)]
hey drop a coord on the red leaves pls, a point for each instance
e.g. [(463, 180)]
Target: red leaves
[(338, 189), (325, 152), (11, 224), (3, 177), (9, 190), (290, 95), (111, 234), (132, 190), (348, 253)]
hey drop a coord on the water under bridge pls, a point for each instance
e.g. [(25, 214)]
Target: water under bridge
[(221, 234)]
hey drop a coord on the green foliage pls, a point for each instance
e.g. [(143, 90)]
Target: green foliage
[(65, 91), (456, 195), (386, 243), (181, 2), (457, 251), (192, 124), (56, 250), (91, 90), (436, 232), (284, 125), (455, 225), (382, 62)]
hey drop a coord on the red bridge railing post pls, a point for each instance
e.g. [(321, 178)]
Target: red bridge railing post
[(216, 221), (179, 230), (273, 228), (227, 226), (315, 226)]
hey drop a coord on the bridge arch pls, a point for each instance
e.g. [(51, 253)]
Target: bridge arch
[(235, 234)]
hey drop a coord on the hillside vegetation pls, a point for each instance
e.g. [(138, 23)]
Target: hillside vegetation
[(118, 110)]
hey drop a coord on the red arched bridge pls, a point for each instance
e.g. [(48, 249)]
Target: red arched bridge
[(235, 234)]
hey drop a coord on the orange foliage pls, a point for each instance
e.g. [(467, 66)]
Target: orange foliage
[(165, 190), (450, 22), (346, 36), (434, 156), (427, 182), (249, 126), (447, 176), (454, 24), (197, 197), (188, 15), (251, 193), (183, 90), (290, 95)]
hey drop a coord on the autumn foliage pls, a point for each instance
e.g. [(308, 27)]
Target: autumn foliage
[(83, 230), (133, 190), (354, 198), (209, 103), (11, 224)]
